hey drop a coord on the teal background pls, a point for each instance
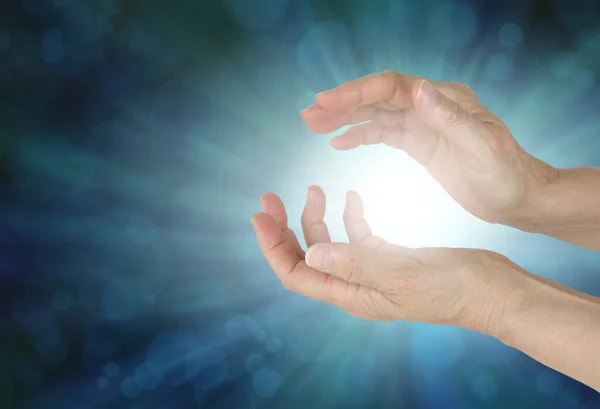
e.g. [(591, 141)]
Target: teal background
[(135, 140)]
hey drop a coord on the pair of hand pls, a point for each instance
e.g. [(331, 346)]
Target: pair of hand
[(468, 150)]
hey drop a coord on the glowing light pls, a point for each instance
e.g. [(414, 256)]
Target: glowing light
[(402, 203)]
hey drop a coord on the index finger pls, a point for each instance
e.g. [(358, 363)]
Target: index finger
[(381, 89), (293, 272)]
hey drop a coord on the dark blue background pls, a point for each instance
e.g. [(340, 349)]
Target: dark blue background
[(135, 141)]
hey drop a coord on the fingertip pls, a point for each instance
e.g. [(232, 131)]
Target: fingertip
[(315, 194), (259, 219), (266, 198), (266, 228), (352, 195), (353, 204), (343, 142), (315, 189), (424, 94), (305, 114)]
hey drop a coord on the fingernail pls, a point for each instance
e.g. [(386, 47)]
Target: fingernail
[(427, 94), (318, 257), (307, 109)]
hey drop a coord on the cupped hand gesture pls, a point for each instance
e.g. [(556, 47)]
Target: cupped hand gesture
[(444, 127), (372, 279)]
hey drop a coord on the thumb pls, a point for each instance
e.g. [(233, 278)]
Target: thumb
[(440, 112), (348, 262)]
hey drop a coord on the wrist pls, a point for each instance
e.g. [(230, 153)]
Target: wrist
[(541, 185), (502, 291)]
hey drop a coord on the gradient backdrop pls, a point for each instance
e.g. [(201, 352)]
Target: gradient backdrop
[(136, 138)]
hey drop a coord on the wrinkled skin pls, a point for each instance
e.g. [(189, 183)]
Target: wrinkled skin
[(372, 279), (443, 126)]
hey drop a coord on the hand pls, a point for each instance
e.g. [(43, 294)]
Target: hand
[(372, 279), (445, 128)]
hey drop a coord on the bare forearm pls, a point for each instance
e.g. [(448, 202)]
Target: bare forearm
[(567, 207), (555, 325)]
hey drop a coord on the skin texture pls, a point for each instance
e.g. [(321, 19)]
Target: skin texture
[(474, 156), (475, 289), (467, 149)]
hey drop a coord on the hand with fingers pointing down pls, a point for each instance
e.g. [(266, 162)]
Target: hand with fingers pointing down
[(445, 128), (474, 156)]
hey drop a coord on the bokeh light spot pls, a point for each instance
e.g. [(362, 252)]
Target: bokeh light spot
[(255, 362), (266, 383), (170, 350), (274, 344), (260, 335), (240, 327), (102, 382), (130, 388), (149, 375), (510, 35), (205, 368), (119, 304), (453, 24)]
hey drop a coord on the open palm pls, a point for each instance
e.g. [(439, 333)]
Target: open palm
[(283, 252)]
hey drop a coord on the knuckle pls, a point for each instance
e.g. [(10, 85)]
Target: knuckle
[(287, 284), (495, 142), (456, 115), (354, 269), (464, 88)]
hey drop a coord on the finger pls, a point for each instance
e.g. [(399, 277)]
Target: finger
[(294, 273), (443, 114), (280, 253), (314, 228), (357, 228), (370, 133), (320, 120), (349, 262), (273, 206), (373, 89)]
